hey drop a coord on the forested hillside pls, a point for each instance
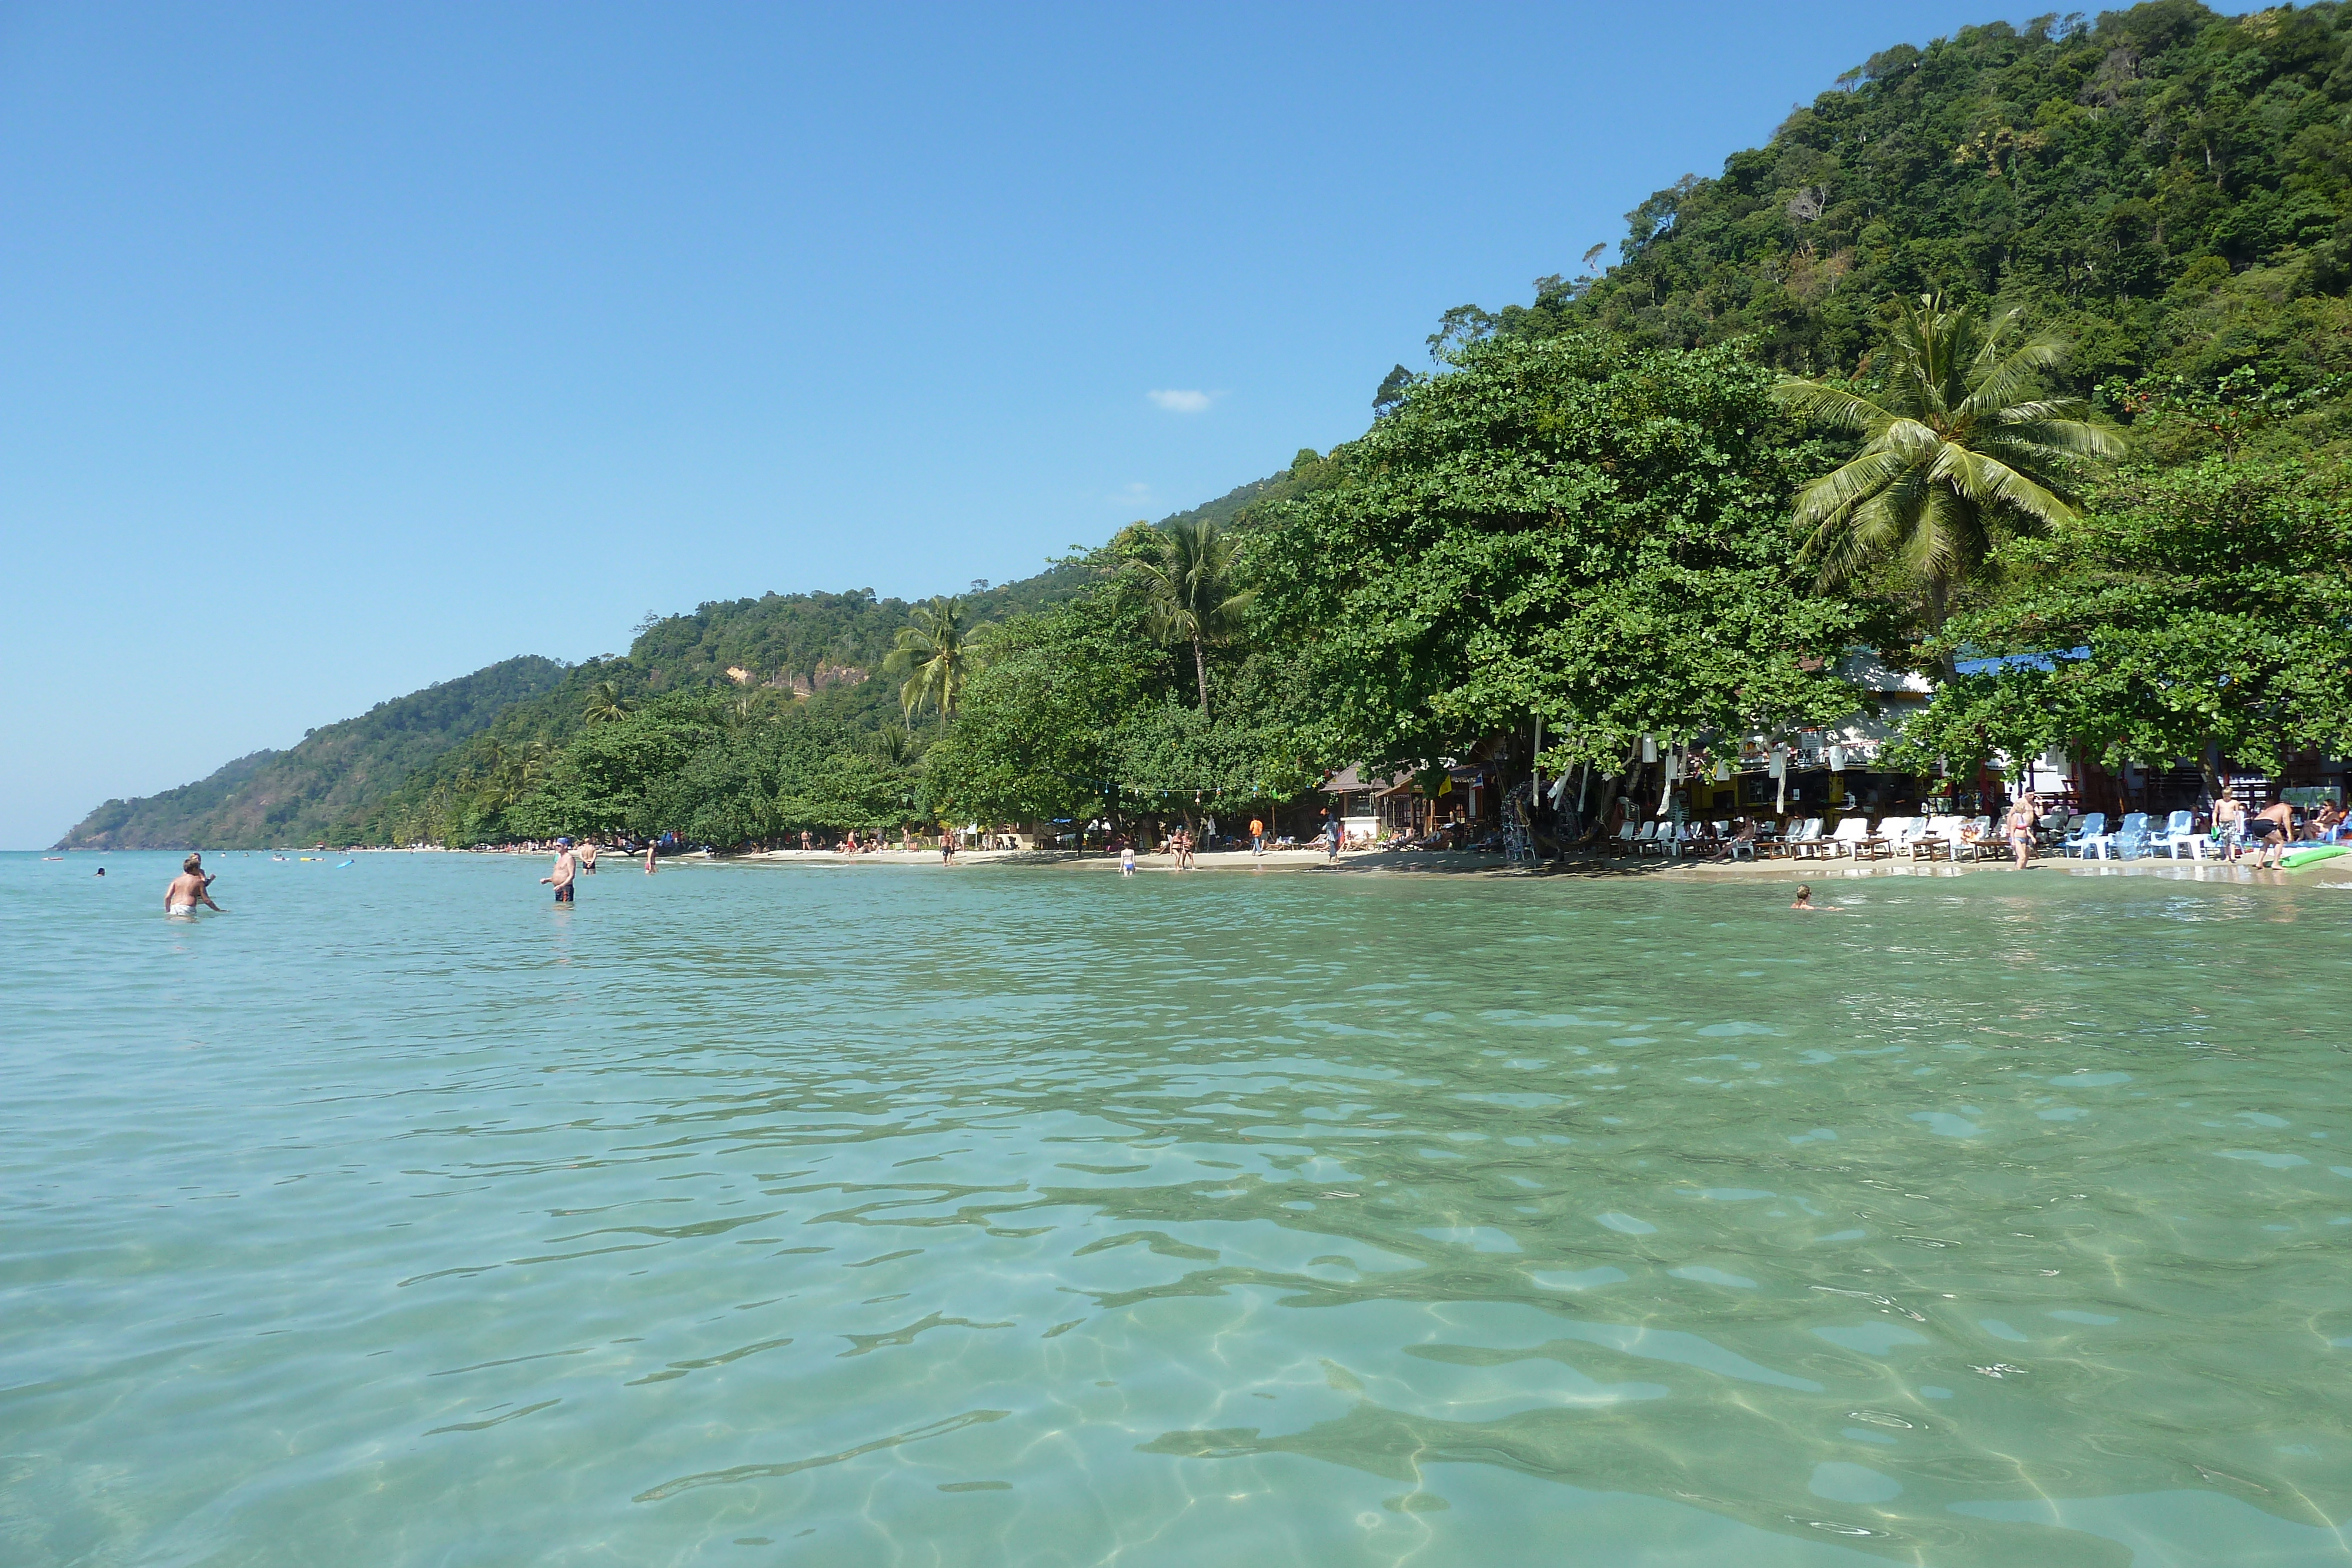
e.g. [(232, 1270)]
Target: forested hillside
[(303, 793), (807, 641), (2168, 189), (438, 763)]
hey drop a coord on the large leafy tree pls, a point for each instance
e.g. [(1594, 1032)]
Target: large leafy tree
[(935, 654), (1034, 742), (1190, 570), (1081, 709), (602, 781), (1565, 528), (1964, 445), (2200, 612)]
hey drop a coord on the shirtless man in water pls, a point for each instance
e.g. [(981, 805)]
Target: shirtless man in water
[(566, 867), (188, 890)]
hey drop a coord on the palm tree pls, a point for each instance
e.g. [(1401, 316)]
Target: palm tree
[(605, 704), (935, 653), (1193, 576), (1966, 439)]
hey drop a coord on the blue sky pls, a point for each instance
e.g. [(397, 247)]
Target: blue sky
[(350, 348)]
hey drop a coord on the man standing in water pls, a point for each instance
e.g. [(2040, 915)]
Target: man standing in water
[(566, 868), (189, 889), (588, 857), (649, 857)]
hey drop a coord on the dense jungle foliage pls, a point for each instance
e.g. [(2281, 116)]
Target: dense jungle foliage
[(2168, 189), (2052, 320)]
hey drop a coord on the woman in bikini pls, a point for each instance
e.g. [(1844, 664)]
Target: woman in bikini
[(2023, 815)]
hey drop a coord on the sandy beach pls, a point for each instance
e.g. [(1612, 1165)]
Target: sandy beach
[(1425, 862)]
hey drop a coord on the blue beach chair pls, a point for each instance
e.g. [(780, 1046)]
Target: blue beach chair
[(2180, 833), (2090, 837)]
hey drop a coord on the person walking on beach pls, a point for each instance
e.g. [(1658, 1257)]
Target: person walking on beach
[(2023, 814), (189, 889), (2229, 822), (946, 844), (567, 867), (1257, 837), (1334, 830)]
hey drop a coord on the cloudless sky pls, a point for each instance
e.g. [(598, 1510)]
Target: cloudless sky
[(346, 348)]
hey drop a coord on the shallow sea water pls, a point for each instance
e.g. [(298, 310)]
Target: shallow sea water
[(878, 1215)]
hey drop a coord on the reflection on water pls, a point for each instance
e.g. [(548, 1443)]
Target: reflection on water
[(886, 1214)]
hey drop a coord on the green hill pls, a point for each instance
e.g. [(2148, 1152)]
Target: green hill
[(805, 642), (302, 794), (375, 778), (2170, 188)]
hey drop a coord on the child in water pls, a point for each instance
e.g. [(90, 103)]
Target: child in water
[(1805, 902), (1126, 861)]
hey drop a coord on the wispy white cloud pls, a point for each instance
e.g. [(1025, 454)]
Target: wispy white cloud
[(1134, 496), (1180, 401)]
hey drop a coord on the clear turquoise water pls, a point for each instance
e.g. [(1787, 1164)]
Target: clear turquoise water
[(893, 1215)]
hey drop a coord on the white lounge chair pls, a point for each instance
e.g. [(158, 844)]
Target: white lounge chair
[(1897, 833), (1800, 839), (1848, 837), (1935, 834), (1960, 838)]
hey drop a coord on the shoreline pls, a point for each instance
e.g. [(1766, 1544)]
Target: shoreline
[(1464, 864), (1449, 864)]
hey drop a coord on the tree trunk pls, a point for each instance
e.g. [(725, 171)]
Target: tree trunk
[(1201, 668), (1619, 784), (2210, 763), (1939, 610)]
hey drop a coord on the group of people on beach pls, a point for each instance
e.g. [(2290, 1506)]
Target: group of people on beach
[(2271, 832), (2267, 834)]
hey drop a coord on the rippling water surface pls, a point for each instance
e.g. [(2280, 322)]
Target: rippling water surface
[(884, 1214)]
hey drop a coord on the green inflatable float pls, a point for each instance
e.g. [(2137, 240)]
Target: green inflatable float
[(2295, 859)]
